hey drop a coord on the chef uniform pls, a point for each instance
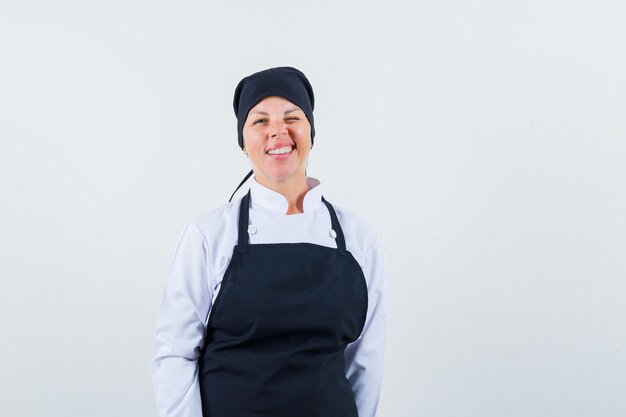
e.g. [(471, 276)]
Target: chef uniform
[(268, 314)]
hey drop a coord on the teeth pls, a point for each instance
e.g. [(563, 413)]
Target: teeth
[(280, 151)]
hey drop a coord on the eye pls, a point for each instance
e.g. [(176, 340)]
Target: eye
[(293, 118), (257, 121)]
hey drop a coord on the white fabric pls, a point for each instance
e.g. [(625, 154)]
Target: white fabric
[(200, 259)]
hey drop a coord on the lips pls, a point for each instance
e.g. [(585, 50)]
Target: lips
[(280, 149)]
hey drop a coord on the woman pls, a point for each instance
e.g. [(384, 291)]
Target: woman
[(275, 302)]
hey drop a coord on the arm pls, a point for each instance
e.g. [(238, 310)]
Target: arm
[(181, 326), (364, 356)]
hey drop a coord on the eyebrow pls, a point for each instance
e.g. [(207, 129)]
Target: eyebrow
[(267, 114)]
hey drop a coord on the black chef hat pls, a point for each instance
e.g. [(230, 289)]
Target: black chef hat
[(287, 82)]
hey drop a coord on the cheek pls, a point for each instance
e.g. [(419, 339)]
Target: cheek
[(301, 132), (250, 138)]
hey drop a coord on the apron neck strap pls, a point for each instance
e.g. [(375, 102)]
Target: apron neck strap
[(341, 241), (244, 216)]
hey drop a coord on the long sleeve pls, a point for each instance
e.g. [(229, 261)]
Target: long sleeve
[(181, 327), (364, 356)]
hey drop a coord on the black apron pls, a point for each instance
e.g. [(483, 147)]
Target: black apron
[(279, 327)]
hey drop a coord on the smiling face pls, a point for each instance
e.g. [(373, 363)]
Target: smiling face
[(277, 137)]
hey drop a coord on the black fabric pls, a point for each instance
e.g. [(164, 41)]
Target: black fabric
[(248, 175), (278, 330), (287, 82)]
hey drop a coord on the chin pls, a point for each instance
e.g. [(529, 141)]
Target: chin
[(282, 176)]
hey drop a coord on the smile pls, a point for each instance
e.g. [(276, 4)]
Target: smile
[(281, 151)]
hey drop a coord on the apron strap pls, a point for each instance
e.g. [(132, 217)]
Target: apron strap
[(341, 241), (244, 217)]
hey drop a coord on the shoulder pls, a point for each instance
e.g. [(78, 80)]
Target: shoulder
[(360, 235), (217, 221), (355, 224)]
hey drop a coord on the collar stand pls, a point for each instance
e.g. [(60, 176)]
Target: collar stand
[(275, 201)]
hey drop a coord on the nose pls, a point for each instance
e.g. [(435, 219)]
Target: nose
[(277, 128)]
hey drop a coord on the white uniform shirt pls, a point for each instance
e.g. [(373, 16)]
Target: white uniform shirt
[(200, 259)]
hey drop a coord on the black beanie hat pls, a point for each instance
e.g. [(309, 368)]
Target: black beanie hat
[(286, 82)]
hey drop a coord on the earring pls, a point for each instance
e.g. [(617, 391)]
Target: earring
[(244, 152)]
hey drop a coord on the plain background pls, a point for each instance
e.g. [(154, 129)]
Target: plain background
[(483, 140)]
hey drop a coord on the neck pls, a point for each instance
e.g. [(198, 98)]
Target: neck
[(293, 189)]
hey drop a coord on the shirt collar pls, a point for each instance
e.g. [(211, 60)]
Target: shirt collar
[(275, 201)]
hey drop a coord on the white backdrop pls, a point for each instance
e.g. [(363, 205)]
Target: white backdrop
[(483, 140)]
